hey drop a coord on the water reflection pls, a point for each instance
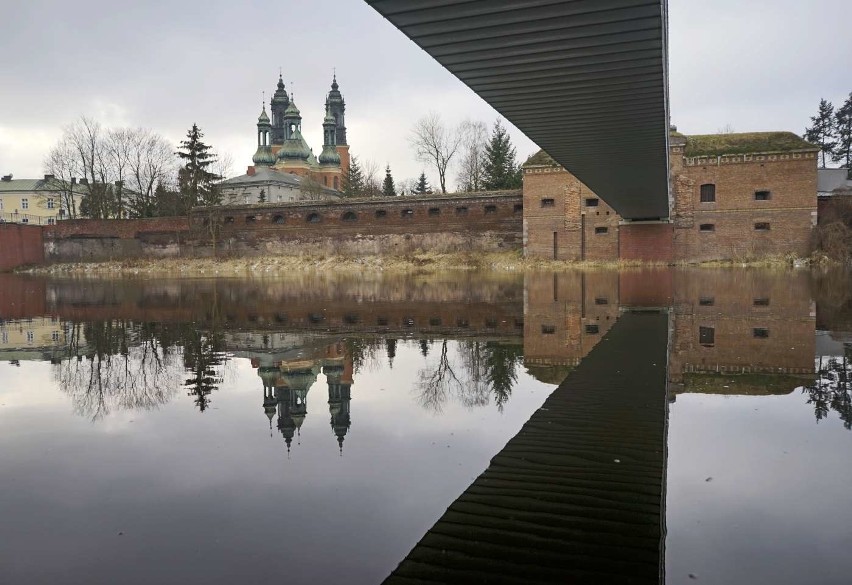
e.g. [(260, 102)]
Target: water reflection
[(414, 351)]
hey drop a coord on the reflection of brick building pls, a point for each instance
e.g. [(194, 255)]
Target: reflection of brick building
[(741, 323), (734, 196)]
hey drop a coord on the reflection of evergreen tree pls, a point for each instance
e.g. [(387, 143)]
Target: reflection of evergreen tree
[(424, 347), (831, 390), (202, 354), (390, 346), (502, 367)]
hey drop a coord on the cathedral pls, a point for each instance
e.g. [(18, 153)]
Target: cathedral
[(281, 146)]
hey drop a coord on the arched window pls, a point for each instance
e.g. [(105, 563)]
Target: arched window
[(313, 218), (229, 219), (278, 219), (349, 216), (490, 209), (251, 219), (407, 213)]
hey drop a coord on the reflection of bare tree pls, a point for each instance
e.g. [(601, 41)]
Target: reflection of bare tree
[(832, 390), (118, 368), (485, 369)]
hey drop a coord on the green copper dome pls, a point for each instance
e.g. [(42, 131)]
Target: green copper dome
[(292, 110), (263, 157), (263, 119), (329, 156), (294, 148)]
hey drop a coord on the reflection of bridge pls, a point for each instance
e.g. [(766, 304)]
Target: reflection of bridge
[(586, 80), (577, 495)]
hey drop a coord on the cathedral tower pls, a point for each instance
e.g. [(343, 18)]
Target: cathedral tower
[(263, 157), (278, 105), (337, 107)]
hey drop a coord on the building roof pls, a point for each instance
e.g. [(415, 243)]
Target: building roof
[(31, 185), (541, 159), (264, 175), (745, 143), (829, 180)]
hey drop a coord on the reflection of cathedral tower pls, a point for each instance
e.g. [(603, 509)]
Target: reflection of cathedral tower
[(339, 387), (269, 375), (286, 424), (293, 401)]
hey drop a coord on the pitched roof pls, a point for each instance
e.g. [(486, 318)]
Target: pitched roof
[(32, 185), (541, 159), (745, 143), (264, 175)]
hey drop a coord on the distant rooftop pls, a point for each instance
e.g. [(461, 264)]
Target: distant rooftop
[(745, 143), (541, 159)]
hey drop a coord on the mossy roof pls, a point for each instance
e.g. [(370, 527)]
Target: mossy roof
[(541, 159), (745, 143)]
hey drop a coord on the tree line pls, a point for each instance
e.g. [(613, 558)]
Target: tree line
[(831, 130), (132, 172), (482, 162)]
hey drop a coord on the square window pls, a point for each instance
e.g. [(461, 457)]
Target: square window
[(548, 329), (548, 202), (601, 301), (490, 209), (761, 302), (592, 329), (461, 210), (592, 202), (601, 230), (762, 226), (434, 211), (762, 195), (706, 301), (760, 332), (708, 193), (706, 336), (381, 213), (707, 227)]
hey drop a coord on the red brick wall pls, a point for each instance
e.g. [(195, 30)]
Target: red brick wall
[(652, 242), (125, 229), (21, 297), (20, 245)]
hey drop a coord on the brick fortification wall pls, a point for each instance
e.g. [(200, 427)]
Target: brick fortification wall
[(737, 224), (402, 225), (20, 245)]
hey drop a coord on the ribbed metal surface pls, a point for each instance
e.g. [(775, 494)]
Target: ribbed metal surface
[(554, 506), (584, 79)]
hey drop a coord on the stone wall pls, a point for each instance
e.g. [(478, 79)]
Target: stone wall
[(20, 245), (484, 222)]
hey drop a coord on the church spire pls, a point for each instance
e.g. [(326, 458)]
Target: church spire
[(278, 105), (337, 107)]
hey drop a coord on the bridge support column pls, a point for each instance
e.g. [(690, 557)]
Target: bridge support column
[(648, 241)]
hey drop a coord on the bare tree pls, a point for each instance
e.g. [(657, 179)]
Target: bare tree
[(118, 147), (372, 183), (310, 189), (151, 163), (59, 162), (471, 167), (435, 144)]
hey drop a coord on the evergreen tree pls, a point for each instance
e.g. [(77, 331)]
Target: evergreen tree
[(821, 131), (843, 129), (388, 188), (500, 169), (422, 185), (262, 197), (196, 181), (353, 183)]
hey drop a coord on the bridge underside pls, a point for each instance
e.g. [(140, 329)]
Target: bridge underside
[(584, 79), (577, 495)]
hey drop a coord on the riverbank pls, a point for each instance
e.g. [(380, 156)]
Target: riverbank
[(414, 263)]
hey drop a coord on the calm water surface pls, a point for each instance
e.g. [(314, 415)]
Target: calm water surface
[(317, 429)]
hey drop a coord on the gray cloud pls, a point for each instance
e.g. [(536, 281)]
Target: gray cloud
[(164, 65)]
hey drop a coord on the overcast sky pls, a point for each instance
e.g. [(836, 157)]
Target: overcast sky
[(755, 65)]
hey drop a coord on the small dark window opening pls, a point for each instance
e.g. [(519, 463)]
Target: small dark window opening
[(313, 218), (762, 226), (601, 301), (519, 208), (462, 323), (350, 319), (229, 219), (760, 332), (407, 213), (279, 219), (592, 202), (408, 321), (706, 301), (548, 202), (435, 322), (461, 210), (762, 195), (548, 329), (434, 211), (708, 193), (349, 216), (491, 323), (707, 336), (519, 324), (601, 230), (592, 329), (707, 227), (761, 302), (281, 318), (251, 219), (316, 318), (382, 321), (381, 213), (490, 209)]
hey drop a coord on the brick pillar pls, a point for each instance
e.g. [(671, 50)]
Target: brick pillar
[(649, 242)]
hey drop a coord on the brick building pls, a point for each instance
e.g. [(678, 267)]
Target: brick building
[(733, 196)]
